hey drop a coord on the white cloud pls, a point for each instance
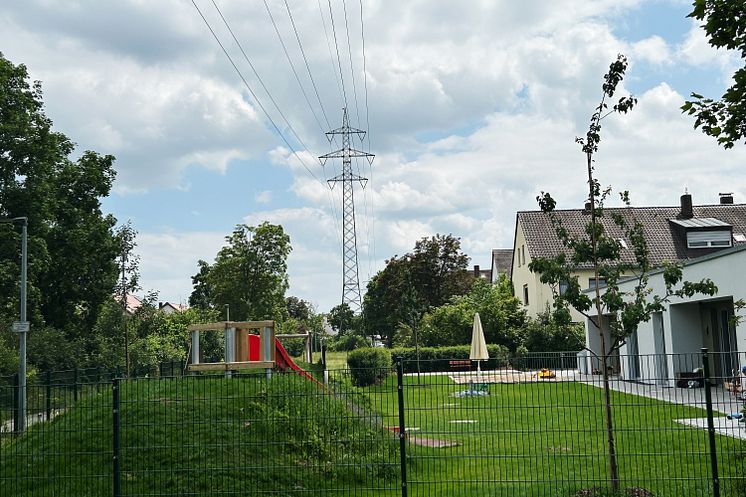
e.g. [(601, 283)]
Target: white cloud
[(653, 49), (146, 82), (697, 51), (168, 260), (264, 197)]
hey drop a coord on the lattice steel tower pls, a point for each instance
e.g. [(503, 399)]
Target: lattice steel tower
[(350, 275)]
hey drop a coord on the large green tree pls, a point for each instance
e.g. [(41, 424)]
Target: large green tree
[(249, 274), (72, 247), (724, 22), (428, 277)]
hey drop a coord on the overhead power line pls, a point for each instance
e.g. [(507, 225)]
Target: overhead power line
[(331, 55), (258, 101), (352, 69), (292, 66), (339, 60), (305, 60), (256, 74), (254, 95)]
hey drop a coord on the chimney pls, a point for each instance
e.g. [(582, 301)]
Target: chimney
[(686, 206), (160, 305), (587, 208), (726, 198), (476, 271)]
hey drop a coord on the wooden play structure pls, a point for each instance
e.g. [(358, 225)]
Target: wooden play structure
[(248, 345)]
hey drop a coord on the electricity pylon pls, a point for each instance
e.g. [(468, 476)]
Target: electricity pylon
[(350, 275)]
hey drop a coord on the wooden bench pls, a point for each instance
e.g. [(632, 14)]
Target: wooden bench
[(460, 365)]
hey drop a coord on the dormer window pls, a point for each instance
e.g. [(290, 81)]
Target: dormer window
[(708, 239), (707, 232)]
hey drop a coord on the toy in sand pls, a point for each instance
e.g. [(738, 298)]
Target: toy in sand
[(546, 374)]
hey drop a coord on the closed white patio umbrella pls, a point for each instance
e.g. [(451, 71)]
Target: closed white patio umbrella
[(478, 345)]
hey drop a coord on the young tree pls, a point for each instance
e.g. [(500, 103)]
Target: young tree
[(609, 309), (724, 119), (129, 269)]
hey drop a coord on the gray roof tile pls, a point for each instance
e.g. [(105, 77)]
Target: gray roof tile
[(664, 241)]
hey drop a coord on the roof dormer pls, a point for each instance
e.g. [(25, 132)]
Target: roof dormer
[(705, 233)]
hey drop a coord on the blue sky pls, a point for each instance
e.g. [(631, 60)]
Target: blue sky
[(473, 109)]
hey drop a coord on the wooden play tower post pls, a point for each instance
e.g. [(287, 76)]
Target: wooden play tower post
[(236, 346)]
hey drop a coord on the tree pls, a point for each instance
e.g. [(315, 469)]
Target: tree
[(412, 284), (249, 274), (440, 269), (341, 318), (611, 309), (129, 269), (724, 119), (72, 247), (298, 308), (502, 317)]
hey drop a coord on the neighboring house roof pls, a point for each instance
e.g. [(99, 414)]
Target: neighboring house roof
[(661, 226), (502, 262), (133, 302), (170, 307)]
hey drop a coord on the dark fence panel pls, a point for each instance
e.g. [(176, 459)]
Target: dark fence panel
[(527, 432), (533, 428), (65, 450)]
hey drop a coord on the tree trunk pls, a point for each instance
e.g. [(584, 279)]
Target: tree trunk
[(608, 418)]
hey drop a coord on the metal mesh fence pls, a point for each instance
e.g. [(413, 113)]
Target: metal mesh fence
[(537, 427), (65, 450)]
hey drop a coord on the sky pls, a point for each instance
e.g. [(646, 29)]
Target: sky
[(471, 108)]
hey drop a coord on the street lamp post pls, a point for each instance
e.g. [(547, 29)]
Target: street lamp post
[(22, 327)]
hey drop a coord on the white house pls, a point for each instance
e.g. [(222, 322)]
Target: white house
[(687, 325)]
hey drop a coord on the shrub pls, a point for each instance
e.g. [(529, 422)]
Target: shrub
[(346, 343), (369, 366), (436, 358)]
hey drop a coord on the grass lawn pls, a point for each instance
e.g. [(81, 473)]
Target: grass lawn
[(334, 360), (549, 440)]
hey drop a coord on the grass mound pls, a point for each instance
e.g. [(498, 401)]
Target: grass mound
[(205, 436)]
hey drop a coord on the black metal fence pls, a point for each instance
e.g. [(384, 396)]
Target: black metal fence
[(537, 430)]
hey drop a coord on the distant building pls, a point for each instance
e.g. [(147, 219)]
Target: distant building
[(170, 308), (133, 302), (484, 274), (502, 260), (676, 233)]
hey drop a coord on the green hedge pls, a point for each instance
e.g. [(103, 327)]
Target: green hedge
[(436, 358), (369, 366)]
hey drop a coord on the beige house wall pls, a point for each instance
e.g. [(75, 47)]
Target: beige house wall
[(540, 295)]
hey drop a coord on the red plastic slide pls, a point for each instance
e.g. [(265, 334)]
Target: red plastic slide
[(283, 361)]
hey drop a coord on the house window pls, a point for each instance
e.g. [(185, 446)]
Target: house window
[(563, 287), (518, 256), (592, 283), (706, 239), (523, 253), (525, 294)]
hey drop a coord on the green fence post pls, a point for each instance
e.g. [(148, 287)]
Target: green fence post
[(16, 409), (115, 438), (402, 427), (75, 384), (710, 425), (48, 406)]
